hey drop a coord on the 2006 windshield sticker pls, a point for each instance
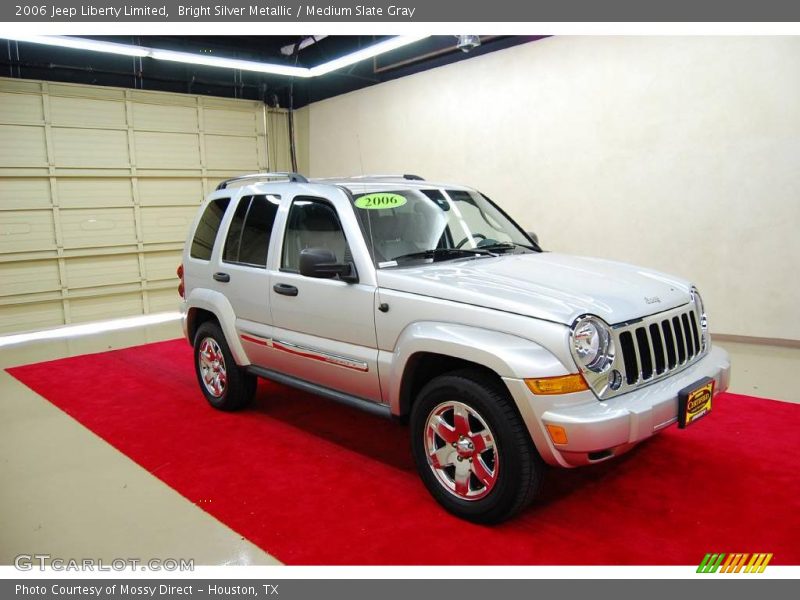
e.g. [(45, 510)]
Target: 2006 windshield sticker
[(380, 201)]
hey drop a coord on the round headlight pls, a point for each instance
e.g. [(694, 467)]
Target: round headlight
[(593, 344)]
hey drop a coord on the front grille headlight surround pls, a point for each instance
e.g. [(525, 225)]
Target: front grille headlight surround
[(700, 309)]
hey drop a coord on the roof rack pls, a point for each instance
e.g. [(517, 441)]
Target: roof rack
[(293, 177), (407, 176), (404, 176)]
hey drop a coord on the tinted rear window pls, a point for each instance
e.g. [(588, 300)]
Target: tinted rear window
[(250, 231), (206, 233)]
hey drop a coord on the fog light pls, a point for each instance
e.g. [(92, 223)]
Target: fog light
[(557, 433), (614, 379)]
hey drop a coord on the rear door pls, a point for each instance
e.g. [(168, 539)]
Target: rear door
[(324, 329), (242, 270)]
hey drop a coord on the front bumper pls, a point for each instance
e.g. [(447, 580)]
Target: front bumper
[(598, 430)]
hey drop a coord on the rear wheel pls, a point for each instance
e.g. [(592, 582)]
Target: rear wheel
[(225, 385), (472, 449)]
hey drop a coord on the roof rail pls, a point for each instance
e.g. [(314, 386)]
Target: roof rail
[(293, 177), (404, 176), (408, 176)]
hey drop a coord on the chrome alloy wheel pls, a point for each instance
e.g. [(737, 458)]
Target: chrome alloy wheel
[(212, 367), (461, 450)]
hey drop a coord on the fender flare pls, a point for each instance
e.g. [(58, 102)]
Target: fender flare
[(506, 354), (217, 304)]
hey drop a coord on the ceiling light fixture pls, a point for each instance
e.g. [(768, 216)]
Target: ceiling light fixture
[(217, 61), (227, 63), (82, 44), (368, 52)]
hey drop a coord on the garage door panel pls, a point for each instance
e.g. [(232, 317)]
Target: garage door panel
[(170, 192), (25, 192), (90, 148), (95, 271), (167, 150), (158, 117), (89, 228), (31, 316), (87, 112), (163, 300), (161, 266), (106, 307), (166, 224), (21, 108), (29, 277), (230, 122), (22, 146), (94, 192), (26, 231), (226, 152)]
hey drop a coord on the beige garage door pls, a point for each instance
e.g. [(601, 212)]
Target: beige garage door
[(98, 187)]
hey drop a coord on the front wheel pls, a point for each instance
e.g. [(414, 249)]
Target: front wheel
[(225, 384), (472, 449)]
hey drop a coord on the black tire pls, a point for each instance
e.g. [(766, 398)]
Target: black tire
[(240, 386), (519, 466)]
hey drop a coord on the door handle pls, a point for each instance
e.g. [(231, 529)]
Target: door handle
[(223, 277), (285, 289)]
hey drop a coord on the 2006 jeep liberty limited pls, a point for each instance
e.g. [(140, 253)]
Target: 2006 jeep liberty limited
[(426, 301)]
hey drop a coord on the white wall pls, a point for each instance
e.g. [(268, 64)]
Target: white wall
[(678, 153)]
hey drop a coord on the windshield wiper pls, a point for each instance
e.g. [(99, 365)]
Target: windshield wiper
[(446, 253), (511, 246)]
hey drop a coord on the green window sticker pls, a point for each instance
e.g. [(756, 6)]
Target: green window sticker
[(380, 201)]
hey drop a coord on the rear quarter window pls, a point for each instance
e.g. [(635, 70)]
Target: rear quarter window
[(207, 229)]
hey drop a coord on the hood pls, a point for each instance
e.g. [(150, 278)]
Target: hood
[(550, 286)]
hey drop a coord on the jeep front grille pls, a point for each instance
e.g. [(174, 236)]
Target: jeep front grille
[(658, 345)]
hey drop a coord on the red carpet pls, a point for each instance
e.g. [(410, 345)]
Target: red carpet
[(312, 482)]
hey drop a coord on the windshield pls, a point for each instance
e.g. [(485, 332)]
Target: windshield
[(405, 226)]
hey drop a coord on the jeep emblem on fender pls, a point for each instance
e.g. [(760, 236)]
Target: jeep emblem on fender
[(652, 299)]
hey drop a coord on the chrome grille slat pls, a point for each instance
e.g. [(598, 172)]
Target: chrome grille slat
[(680, 341)]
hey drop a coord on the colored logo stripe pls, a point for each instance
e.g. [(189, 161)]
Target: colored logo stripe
[(735, 563)]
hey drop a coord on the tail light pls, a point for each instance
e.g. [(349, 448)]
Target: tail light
[(181, 288)]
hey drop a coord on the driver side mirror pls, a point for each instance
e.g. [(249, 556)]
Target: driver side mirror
[(533, 236), (321, 264)]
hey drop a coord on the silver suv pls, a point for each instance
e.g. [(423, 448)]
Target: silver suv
[(426, 302)]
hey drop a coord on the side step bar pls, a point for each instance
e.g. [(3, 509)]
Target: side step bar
[(381, 410)]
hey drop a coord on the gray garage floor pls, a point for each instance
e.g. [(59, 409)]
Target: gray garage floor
[(92, 501)]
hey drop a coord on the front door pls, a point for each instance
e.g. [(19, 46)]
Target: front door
[(324, 329)]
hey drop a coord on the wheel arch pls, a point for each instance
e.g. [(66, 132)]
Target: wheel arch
[(208, 305), (428, 349)]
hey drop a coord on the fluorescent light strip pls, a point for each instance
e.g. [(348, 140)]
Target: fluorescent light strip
[(227, 63), (368, 52), (83, 44), (68, 331), (216, 61)]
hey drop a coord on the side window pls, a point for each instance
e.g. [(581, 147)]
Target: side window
[(312, 223), (248, 236), (207, 229), (234, 237)]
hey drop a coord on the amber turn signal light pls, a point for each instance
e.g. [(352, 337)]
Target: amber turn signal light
[(562, 384), (557, 433)]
